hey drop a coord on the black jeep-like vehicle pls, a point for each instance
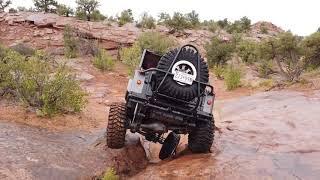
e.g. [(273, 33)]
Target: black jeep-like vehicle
[(169, 93)]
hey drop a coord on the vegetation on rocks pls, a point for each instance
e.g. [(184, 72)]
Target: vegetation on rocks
[(110, 174), (147, 22), (179, 21), (4, 4), (131, 57), (155, 42), (103, 60), (70, 43), (125, 17), (64, 10), (87, 10), (36, 83), (232, 78), (218, 52), (48, 6)]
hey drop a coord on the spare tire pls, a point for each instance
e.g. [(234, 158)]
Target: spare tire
[(187, 63)]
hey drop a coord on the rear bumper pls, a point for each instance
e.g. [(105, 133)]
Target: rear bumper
[(184, 117)]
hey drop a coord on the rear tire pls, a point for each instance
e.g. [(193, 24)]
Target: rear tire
[(200, 139), (116, 129)]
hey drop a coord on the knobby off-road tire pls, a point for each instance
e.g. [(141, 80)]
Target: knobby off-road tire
[(116, 129), (200, 139), (169, 146), (171, 87)]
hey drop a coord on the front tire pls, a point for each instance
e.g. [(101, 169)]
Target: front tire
[(116, 129), (200, 139)]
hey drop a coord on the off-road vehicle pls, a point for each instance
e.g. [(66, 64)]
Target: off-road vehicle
[(168, 93)]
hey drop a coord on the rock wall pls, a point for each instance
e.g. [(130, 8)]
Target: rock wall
[(45, 31)]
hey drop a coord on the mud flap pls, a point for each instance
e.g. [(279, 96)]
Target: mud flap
[(169, 145)]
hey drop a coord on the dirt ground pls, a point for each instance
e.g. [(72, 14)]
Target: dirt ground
[(270, 135)]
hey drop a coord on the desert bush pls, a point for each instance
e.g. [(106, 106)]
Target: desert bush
[(219, 71), (210, 25), (164, 18), (62, 93), (193, 19), (7, 57), (311, 46), (155, 42), (287, 52), (85, 9), (64, 10), (125, 17), (218, 52), (178, 22), (103, 60), (4, 4), (38, 84), (97, 16), (110, 174), (263, 28), (23, 49), (131, 57), (70, 43), (239, 26), (232, 77), (223, 23), (147, 21), (13, 10), (48, 6), (266, 83), (265, 68), (247, 51), (87, 46)]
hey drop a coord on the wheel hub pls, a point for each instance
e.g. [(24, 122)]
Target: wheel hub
[(185, 67)]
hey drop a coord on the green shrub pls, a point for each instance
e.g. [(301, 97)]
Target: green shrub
[(38, 84), (64, 10), (131, 57), (223, 23), (266, 83), (103, 60), (125, 17), (70, 43), (147, 21), (110, 174), (232, 78), (219, 71), (311, 45), (47, 6), (23, 49), (97, 16), (263, 28), (193, 19), (86, 8), (178, 22), (247, 50), (62, 93), (156, 42), (218, 51), (265, 68)]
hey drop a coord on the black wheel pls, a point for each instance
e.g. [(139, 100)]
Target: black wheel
[(200, 139), (169, 145), (116, 130), (186, 63)]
